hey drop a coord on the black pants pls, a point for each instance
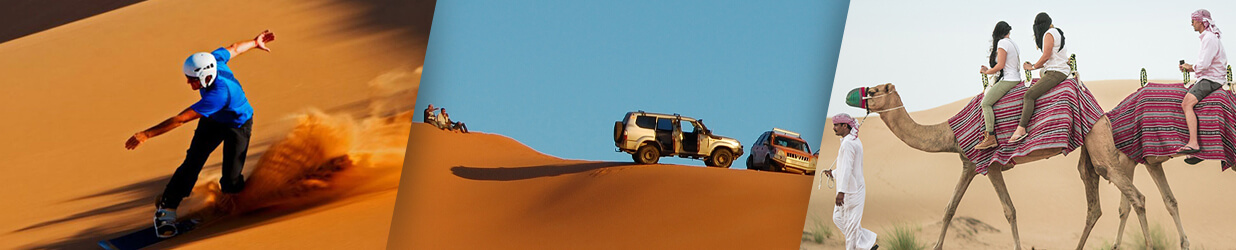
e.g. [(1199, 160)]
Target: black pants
[(206, 138)]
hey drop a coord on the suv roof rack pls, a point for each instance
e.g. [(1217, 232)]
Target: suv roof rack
[(786, 132)]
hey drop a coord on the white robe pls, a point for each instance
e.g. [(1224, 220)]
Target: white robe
[(849, 175)]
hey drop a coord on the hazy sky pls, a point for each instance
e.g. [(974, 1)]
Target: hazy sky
[(556, 75), (932, 50)]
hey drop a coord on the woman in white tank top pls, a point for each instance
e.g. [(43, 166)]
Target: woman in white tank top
[(1003, 61), (1055, 65)]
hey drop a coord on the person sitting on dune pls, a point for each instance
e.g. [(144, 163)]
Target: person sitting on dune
[(1209, 70), (229, 120), (452, 126), (430, 116), (440, 120)]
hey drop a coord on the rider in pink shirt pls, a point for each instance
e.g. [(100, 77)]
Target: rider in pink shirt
[(1209, 70)]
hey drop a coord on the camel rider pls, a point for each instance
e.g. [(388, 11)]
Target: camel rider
[(228, 120), (1055, 65), (851, 189), (1003, 61), (1209, 71)]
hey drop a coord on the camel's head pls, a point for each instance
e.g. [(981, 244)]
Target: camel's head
[(881, 97)]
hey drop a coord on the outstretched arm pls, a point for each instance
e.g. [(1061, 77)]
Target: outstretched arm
[(258, 42), (167, 125)]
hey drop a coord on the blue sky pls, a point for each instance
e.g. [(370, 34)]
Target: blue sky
[(556, 75)]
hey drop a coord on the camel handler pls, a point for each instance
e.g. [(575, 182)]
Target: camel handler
[(851, 189), (228, 120), (1209, 71)]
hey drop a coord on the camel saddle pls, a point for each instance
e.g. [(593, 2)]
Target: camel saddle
[(1150, 122), (1062, 118)]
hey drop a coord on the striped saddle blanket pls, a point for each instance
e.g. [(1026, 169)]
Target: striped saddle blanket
[(1062, 118), (1150, 122)]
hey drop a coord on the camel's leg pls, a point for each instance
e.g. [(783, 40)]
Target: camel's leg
[(1091, 181), (1156, 173), (1108, 162), (997, 180), (1125, 184), (1125, 208), (967, 175)]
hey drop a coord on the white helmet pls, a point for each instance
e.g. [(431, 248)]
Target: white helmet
[(201, 65)]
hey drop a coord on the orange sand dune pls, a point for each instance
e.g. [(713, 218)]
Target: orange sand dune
[(486, 191), (25, 17), (914, 187), (72, 94)]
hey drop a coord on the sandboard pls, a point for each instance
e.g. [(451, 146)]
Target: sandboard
[(146, 237)]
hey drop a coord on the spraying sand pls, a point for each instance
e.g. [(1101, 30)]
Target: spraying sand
[(72, 95)]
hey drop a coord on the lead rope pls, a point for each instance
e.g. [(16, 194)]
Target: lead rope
[(832, 182)]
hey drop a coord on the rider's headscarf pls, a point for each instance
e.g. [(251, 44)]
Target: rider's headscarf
[(1203, 15)]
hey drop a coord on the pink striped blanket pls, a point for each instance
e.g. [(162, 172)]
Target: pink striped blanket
[(1150, 122), (1062, 118)]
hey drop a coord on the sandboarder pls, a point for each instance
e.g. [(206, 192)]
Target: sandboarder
[(228, 120)]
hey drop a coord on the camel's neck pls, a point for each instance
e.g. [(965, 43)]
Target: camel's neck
[(929, 138)]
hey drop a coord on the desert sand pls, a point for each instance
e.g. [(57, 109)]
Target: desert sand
[(338, 74), (914, 187), (487, 191)]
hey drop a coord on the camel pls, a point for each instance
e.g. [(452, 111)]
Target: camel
[(1099, 153), (1154, 166)]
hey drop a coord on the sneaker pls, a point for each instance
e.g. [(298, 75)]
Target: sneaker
[(165, 223)]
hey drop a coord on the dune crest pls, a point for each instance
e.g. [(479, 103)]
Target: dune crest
[(462, 187)]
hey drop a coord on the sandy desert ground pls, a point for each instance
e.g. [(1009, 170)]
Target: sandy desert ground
[(487, 191), (914, 187), (72, 93)]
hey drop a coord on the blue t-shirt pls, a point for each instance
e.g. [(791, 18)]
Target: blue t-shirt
[(224, 101)]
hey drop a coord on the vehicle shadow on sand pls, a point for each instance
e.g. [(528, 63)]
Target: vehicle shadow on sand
[(529, 172)]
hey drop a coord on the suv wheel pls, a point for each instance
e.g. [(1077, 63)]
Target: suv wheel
[(646, 154), (721, 158), (773, 166), (751, 164)]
